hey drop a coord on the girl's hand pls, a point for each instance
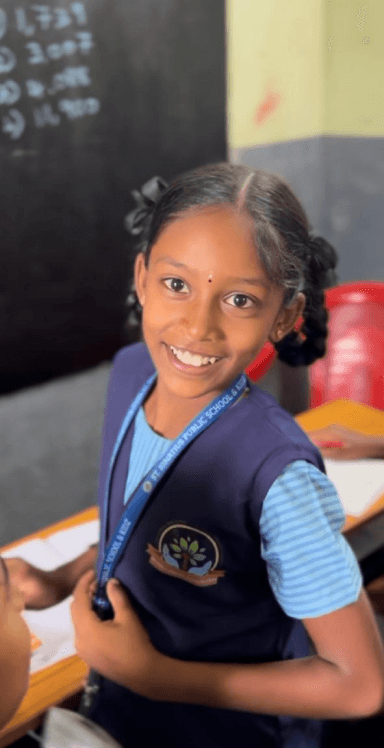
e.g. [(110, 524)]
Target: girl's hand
[(119, 649), (341, 443)]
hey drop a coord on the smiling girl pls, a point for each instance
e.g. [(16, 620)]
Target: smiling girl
[(216, 515)]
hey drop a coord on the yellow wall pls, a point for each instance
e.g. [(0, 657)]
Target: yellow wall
[(354, 67), (304, 68)]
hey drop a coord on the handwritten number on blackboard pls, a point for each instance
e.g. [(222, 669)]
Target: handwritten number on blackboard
[(22, 24), (46, 18), (43, 16), (10, 92), (70, 77), (78, 10), (35, 89), (35, 19), (56, 50), (76, 108), (44, 116), (13, 124), (7, 60), (37, 55), (62, 18), (85, 41)]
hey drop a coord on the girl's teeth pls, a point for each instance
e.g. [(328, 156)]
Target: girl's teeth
[(192, 359)]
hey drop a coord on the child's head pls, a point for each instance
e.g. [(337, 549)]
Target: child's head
[(293, 259), (15, 648)]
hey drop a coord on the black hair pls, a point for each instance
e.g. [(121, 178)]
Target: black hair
[(292, 256)]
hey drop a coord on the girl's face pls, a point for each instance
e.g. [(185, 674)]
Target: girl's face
[(208, 306)]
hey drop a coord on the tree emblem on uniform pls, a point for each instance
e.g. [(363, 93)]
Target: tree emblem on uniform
[(188, 550), (187, 553)]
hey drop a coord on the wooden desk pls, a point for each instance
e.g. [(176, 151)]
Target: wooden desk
[(54, 684), (355, 416)]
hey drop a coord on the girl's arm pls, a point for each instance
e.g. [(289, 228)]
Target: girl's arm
[(42, 589), (345, 679)]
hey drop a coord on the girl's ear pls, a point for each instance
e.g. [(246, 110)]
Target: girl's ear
[(140, 275), (286, 319)]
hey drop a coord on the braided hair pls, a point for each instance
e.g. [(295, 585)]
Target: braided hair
[(293, 258)]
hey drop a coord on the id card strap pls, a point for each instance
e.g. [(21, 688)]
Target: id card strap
[(137, 503), (132, 410), (91, 689)]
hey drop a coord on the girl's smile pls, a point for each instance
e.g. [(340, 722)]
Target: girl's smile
[(208, 308), (189, 361)]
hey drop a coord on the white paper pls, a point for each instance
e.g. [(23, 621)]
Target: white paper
[(59, 548), (359, 483), (53, 626)]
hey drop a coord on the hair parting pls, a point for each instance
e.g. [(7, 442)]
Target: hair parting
[(243, 192)]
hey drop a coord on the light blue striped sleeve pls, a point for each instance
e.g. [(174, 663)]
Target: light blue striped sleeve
[(311, 568)]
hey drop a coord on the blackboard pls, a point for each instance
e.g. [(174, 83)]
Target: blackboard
[(95, 98)]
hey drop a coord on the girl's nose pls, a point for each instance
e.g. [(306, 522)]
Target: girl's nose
[(202, 321)]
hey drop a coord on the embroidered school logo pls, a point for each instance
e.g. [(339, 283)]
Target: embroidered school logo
[(187, 553)]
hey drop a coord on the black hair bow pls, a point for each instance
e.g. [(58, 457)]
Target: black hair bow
[(146, 198)]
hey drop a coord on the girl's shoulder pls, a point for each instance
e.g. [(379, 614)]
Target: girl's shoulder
[(263, 422), (133, 356), (266, 412), (133, 361), (131, 367)]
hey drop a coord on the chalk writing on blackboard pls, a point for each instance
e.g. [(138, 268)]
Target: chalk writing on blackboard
[(45, 97), (13, 124), (10, 92)]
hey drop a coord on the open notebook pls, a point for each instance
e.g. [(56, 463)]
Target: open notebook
[(359, 483), (51, 629)]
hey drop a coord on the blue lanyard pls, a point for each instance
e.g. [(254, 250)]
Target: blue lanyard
[(111, 555)]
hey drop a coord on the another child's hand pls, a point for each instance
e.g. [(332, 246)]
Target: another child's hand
[(42, 589), (341, 443), (120, 649), (39, 588)]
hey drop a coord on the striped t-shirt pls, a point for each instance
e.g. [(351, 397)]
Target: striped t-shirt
[(311, 568)]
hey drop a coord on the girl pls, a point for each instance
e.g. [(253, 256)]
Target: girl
[(216, 516)]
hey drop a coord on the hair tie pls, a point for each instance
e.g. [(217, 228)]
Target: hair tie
[(146, 198)]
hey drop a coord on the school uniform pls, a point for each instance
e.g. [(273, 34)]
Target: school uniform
[(194, 565)]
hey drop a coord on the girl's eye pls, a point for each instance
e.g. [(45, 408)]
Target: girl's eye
[(176, 284), (241, 301)]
